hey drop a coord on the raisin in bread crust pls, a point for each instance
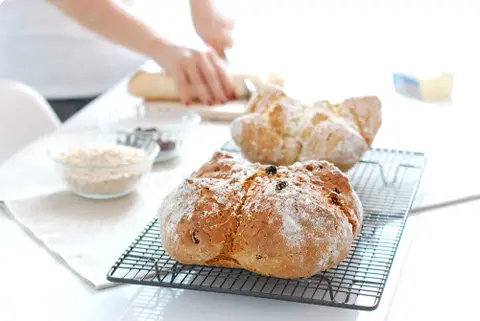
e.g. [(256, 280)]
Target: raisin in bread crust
[(287, 221), (280, 130)]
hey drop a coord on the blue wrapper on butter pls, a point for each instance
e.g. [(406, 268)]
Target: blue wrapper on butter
[(424, 88)]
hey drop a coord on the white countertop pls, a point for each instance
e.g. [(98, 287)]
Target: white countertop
[(36, 286), (436, 282)]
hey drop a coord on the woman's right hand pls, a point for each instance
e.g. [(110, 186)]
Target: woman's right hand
[(201, 71)]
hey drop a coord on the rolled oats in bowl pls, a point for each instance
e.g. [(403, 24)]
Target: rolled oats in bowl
[(100, 166)]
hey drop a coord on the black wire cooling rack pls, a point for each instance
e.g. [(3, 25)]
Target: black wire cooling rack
[(386, 182)]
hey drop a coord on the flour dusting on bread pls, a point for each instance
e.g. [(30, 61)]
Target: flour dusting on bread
[(281, 130), (285, 221), (176, 206)]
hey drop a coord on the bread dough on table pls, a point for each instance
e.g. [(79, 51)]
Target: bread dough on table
[(161, 86)]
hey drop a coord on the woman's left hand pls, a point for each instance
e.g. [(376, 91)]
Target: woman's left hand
[(212, 26)]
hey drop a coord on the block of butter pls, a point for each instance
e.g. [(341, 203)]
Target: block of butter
[(428, 87)]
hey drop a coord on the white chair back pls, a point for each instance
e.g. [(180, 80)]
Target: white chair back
[(24, 116)]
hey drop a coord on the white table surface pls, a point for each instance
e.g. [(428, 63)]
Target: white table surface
[(35, 286), (435, 282)]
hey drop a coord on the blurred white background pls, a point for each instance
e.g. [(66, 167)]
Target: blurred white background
[(338, 44)]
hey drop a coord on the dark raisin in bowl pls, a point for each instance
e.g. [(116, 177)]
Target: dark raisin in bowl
[(166, 145)]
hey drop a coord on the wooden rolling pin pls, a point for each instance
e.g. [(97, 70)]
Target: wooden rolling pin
[(159, 86)]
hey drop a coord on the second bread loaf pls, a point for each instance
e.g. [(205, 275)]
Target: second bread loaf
[(280, 130)]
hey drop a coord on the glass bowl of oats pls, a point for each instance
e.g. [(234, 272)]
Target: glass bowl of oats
[(101, 165)]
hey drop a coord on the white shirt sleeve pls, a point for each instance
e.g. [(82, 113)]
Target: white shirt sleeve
[(50, 52)]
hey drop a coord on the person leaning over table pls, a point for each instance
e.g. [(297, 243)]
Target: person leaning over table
[(45, 49)]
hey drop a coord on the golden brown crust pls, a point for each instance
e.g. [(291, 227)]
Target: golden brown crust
[(288, 221), (365, 114), (280, 130), (264, 99)]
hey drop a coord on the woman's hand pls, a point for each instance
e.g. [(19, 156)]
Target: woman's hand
[(199, 71), (212, 26)]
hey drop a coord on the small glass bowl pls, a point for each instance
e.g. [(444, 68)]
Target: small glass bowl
[(169, 126), (115, 168)]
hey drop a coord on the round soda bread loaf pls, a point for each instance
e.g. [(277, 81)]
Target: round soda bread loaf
[(286, 221), (280, 130)]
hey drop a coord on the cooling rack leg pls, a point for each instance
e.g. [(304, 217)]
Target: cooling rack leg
[(172, 271), (382, 171), (157, 270), (330, 288)]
